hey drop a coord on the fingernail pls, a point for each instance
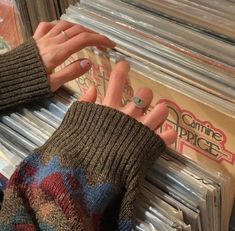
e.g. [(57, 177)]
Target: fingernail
[(85, 64)]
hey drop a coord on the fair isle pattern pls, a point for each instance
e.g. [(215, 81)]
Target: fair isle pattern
[(61, 198), (97, 155)]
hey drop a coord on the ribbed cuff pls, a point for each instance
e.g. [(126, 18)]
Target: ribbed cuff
[(105, 142), (22, 76)]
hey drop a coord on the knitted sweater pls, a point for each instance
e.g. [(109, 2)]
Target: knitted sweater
[(86, 176), (22, 76)]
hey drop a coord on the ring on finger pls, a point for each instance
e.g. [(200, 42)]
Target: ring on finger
[(65, 35), (139, 102)]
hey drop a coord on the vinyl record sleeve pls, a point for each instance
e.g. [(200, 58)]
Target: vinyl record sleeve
[(211, 18), (184, 67)]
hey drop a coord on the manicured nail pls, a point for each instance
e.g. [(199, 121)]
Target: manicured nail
[(85, 64)]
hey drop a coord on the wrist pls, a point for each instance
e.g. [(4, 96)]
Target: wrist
[(22, 76), (103, 141)]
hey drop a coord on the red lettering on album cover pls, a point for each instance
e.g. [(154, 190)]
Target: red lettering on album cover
[(200, 136)]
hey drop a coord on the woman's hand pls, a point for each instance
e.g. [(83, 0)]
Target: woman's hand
[(113, 99), (57, 42)]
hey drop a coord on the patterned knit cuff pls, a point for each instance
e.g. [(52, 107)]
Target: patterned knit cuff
[(103, 141), (22, 76)]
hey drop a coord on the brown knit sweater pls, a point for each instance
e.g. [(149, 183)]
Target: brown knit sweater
[(22, 76), (86, 176)]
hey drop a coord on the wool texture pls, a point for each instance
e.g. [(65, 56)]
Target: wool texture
[(22, 76), (86, 176)]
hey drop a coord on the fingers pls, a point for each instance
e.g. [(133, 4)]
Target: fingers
[(90, 95), (101, 48), (169, 136), (42, 29), (118, 78), (135, 110), (70, 72), (60, 26), (71, 32), (156, 116), (83, 40)]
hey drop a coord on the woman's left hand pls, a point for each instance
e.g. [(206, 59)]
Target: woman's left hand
[(113, 98), (57, 42)]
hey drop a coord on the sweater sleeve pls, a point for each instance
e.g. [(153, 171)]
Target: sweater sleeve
[(22, 76), (92, 164)]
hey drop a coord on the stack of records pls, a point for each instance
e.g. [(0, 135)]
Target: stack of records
[(213, 17), (26, 128), (190, 56)]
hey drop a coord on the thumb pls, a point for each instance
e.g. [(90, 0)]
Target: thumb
[(90, 95), (70, 72)]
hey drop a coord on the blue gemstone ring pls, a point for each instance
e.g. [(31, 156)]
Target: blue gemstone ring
[(139, 103)]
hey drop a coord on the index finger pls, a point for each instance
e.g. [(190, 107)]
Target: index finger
[(117, 80), (83, 40)]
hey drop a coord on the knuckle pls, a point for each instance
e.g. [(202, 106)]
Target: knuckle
[(79, 28), (63, 23), (43, 24), (83, 35)]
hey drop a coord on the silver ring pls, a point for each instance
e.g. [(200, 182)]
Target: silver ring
[(65, 35), (139, 103)]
